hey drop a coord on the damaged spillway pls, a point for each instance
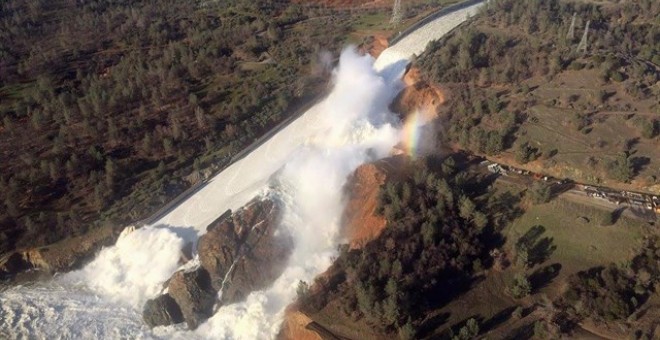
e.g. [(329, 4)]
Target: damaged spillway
[(255, 258), (239, 253)]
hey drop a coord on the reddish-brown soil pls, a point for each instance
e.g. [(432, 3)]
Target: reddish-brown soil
[(361, 223), (418, 95), (294, 327), (376, 46)]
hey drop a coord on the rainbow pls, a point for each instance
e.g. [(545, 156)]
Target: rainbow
[(412, 132)]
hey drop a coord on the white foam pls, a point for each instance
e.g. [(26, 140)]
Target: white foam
[(134, 269)]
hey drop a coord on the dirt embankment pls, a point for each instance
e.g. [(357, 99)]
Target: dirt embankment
[(361, 223), (418, 96), (296, 327), (374, 44), (34, 263)]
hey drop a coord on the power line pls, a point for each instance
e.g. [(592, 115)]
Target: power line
[(396, 13), (582, 47), (571, 31)]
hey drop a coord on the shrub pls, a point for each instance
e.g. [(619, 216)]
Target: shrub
[(526, 153), (520, 287), (617, 76), (620, 169), (540, 193)]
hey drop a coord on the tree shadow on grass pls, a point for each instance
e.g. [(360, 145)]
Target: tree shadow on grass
[(496, 320), (541, 251), (639, 163), (539, 248), (542, 277), (429, 325), (522, 332), (616, 214)]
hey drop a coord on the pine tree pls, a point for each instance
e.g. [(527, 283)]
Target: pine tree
[(407, 331)]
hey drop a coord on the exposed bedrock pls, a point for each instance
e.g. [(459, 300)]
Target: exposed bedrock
[(240, 253)]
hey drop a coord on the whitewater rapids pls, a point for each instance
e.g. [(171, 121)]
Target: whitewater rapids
[(304, 165)]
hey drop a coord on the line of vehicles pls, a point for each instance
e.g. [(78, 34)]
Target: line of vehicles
[(634, 199)]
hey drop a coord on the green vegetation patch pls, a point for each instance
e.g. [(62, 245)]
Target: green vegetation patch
[(578, 236)]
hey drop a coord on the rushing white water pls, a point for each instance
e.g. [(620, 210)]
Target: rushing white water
[(305, 165)]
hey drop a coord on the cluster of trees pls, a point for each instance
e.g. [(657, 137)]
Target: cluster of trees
[(540, 192), (486, 64), (480, 122), (438, 236), (616, 291), (106, 105), (483, 56), (621, 168)]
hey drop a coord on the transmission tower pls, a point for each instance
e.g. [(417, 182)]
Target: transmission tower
[(582, 47), (571, 31), (396, 13)]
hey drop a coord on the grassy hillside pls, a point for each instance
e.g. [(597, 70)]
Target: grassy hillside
[(518, 88)]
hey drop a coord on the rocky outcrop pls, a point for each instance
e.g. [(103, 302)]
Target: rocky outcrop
[(162, 311), (373, 45), (66, 255), (240, 253), (194, 295)]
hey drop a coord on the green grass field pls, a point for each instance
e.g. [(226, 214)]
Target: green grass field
[(575, 230)]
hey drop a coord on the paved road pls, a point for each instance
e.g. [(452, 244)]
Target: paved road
[(573, 193), (629, 210)]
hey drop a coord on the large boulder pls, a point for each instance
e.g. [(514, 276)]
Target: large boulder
[(248, 242), (240, 253), (218, 249), (263, 258), (194, 295), (162, 311)]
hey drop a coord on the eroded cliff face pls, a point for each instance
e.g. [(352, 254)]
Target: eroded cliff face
[(374, 44), (240, 253), (418, 96), (361, 223)]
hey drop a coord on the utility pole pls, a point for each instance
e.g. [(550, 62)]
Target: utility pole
[(571, 31), (396, 13), (582, 47)]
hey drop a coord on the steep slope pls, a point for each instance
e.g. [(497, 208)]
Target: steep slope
[(361, 223)]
